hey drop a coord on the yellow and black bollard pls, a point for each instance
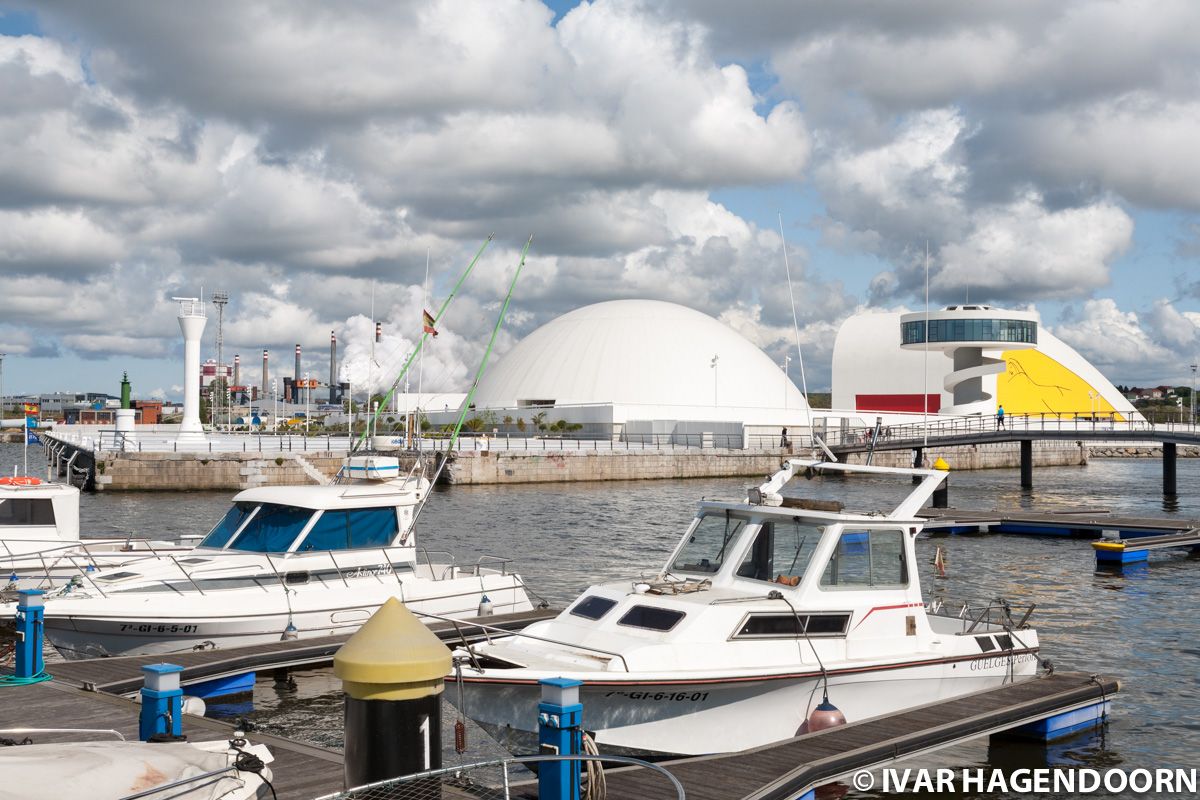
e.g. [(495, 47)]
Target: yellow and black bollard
[(941, 495), (392, 673)]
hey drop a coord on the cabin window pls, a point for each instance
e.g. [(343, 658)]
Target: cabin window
[(341, 530), (593, 607), (651, 618), (772, 626), (867, 559), (272, 529), (709, 544), (228, 526), (781, 552), (27, 511)]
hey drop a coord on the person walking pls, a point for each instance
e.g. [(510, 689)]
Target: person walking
[(999, 417), (783, 440)]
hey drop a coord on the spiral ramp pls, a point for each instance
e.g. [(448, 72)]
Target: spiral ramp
[(967, 386)]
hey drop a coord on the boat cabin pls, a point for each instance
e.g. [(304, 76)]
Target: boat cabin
[(298, 519), (38, 511)]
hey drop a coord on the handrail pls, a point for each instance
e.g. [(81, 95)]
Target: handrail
[(25, 731), (504, 762), (523, 634)]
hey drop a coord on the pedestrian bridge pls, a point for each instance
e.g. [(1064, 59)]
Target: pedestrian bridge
[(1025, 429)]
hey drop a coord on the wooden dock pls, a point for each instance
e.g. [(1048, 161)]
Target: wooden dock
[(788, 769), (1086, 524), (1129, 551), (124, 674)]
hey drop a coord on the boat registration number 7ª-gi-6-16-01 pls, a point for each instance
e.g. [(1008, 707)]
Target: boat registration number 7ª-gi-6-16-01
[(694, 697)]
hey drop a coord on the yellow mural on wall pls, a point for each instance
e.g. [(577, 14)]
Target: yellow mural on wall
[(1036, 384)]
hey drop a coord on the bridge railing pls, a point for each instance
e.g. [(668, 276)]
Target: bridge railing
[(948, 428)]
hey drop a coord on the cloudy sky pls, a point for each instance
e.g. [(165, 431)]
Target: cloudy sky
[(306, 157)]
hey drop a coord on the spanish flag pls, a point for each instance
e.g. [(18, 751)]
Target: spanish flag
[(427, 323), (32, 409)]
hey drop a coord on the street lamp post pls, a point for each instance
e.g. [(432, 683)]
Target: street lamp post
[(1192, 419), (715, 359), (786, 360), (307, 401), (2, 404), (275, 414)]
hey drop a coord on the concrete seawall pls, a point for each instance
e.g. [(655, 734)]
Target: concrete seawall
[(210, 471), (133, 471)]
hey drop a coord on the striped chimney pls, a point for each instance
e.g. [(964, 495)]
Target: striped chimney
[(265, 382)]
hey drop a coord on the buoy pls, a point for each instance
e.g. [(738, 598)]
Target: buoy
[(485, 606), (825, 716), (290, 633), (20, 480)]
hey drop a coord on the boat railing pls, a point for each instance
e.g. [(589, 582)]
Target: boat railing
[(501, 563), (9, 733), (998, 613), (458, 623), (497, 779), (187, 786), (448, 567)]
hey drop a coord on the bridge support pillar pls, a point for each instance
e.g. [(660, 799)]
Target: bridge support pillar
[(1168, 459), (1026, 463)]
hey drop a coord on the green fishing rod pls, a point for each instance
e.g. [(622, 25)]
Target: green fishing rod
[(420, 344), (471, 394), (462, 417)]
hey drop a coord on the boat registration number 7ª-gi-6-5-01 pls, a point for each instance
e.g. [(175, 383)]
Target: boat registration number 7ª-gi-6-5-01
[(165, 628)]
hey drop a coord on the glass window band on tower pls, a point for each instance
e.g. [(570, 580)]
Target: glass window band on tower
[(970, 330)]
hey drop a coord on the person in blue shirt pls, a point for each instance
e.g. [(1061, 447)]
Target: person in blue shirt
[(999, 417)]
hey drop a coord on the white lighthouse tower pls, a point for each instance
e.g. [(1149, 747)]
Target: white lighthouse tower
[(191, 321)]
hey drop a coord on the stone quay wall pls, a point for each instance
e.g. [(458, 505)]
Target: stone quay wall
[(148, 472), (997, 455), (235, 471)]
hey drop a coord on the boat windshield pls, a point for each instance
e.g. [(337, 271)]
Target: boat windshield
[(781, 552), (346, 530), (709, 544), (272, 529), (228, 525)]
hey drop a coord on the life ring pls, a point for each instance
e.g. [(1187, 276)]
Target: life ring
[(20, 480)]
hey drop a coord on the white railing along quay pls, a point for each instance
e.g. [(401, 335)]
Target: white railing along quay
[(111, 441)]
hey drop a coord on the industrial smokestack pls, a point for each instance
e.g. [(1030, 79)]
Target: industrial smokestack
[(378, 332), (237, 370), (298, 375), (332, 367), (265, 382)]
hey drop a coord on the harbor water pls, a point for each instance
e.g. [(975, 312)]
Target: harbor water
[(1140, 625)]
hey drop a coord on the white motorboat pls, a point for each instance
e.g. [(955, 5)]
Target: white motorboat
[(113, 770), (40, 544), (284, 562), (767, 614)]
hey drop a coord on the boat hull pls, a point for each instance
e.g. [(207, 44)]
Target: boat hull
[(647, 717), (216, 621)]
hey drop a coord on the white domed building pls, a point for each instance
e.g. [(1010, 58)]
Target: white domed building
[(642, 366)]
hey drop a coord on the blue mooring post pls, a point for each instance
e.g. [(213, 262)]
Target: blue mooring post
[(560, 721), (162, 702), (30, 612)]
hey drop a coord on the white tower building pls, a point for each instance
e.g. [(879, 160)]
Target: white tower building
[(975, 337), (192, 319)]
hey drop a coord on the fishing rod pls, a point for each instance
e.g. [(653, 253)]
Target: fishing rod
[(420, 344), (466, 407)]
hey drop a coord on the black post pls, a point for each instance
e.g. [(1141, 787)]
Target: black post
[(391, 672), (1169, 468), (1027, 463), (918, 459), (941, 495)]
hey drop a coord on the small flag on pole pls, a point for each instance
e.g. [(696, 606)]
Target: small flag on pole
[(427, 323), (939, 561)]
